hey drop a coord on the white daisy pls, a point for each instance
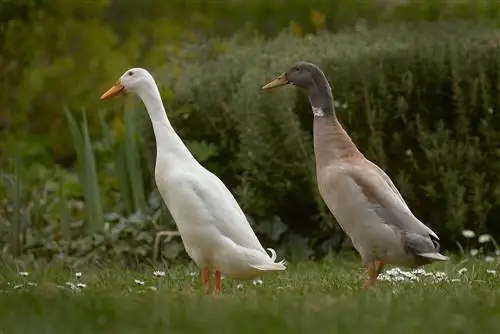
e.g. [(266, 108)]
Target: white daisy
[(468, 234), (484, 238)]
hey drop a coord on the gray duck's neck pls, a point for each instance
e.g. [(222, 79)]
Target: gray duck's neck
[(321, 100)]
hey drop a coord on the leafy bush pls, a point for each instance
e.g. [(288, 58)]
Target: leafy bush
[(56, 214), (59, 53), (419, 100)]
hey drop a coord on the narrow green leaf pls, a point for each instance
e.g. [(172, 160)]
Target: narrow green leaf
[(77, 138), (15, 233), (133, 161), (65, 218), (93, 197)]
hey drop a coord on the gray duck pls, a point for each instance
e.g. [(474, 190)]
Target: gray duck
[(362, 198)]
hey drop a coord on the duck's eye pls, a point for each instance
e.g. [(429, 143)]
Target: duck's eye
[(296, 69), (130, 73)]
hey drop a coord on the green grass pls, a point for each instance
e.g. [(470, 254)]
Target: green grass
[(308, 298)]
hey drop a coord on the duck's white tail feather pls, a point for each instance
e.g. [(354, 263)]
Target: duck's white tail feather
[(269, 263), (434, 256), (270, 266), (273, 253)]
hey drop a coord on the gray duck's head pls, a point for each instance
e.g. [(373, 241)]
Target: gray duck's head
[(312, 80)]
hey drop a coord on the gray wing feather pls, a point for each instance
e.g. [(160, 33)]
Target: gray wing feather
[(386, 203), (418, 244)]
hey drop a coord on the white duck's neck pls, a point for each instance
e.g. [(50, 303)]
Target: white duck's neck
[(169, 146)]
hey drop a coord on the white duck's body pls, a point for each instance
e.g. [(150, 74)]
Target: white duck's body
[(213, 228)]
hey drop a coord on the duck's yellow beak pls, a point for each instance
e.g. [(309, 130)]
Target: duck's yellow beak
[(115, 90), (279, 81)]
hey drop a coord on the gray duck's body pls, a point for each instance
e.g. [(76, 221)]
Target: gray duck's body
[(360, 195)]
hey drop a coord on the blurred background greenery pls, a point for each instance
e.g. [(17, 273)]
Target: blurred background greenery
[(416, 82)]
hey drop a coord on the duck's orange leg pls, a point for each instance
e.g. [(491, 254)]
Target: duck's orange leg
[(372, 275), (205, 274), (217, 281)]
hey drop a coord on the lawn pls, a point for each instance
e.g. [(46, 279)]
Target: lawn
[(324, 297)]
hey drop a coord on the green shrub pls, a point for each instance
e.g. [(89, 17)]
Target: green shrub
[(419, 100), (61, 53), (52, 213)]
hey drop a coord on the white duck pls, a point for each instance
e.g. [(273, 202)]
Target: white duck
[(213, 228)]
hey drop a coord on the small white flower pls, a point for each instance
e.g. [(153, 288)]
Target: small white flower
[(159, 273), (489, 258), (473, 252), (81, 285), (154, 288), (454, 280), (257, 282), (18, 286), (71, 285), (419, 271), (193, 273), (24, 273), (440, 279), (239, 286), (393, 272), (32, 284), (408, 274), (440, 274), (491, 271), (138, 282), (468, 234), (345, 105), (484, 238), (497, 252), (462, 270), (383, 277), (408, 153), (490, 110), (78, 274)]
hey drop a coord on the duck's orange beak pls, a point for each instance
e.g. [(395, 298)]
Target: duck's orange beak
[(115, 90), (279, 81)]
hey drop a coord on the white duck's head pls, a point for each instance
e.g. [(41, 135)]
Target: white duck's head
[(134, 80)]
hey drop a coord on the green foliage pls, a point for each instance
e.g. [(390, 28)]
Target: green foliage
[(13, 193), (87, 172), (420, 100), (50, 224), (122, 141), (54, 214), (59, 55)]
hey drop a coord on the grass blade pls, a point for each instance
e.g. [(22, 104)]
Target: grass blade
[(76, 136), (65, 219), (133, 161), (93, 196), (15, 231), (115, 144)]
